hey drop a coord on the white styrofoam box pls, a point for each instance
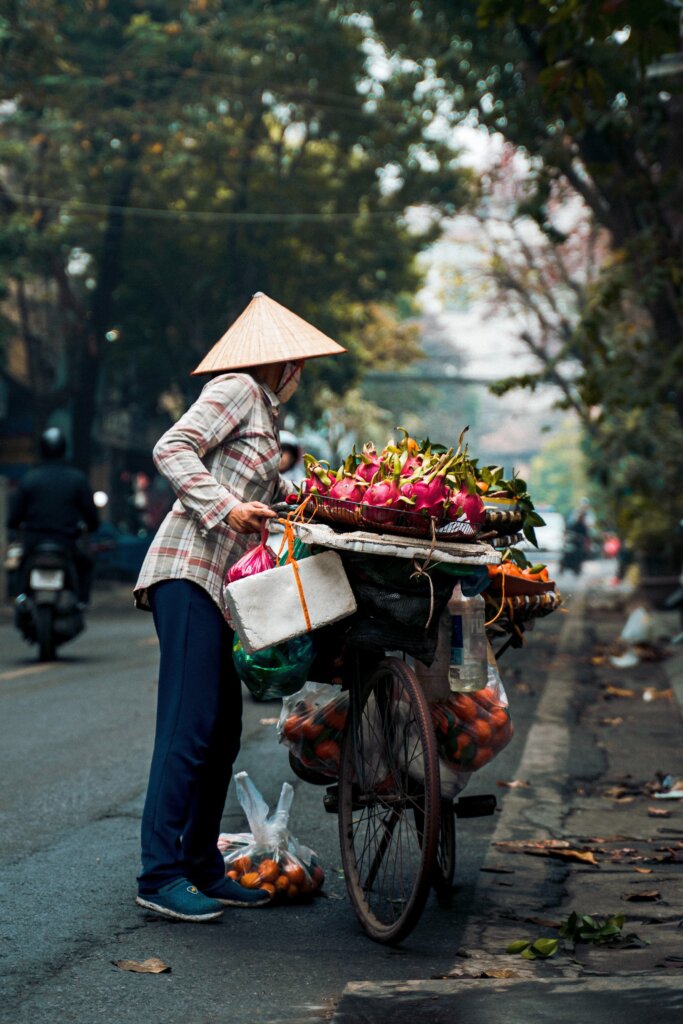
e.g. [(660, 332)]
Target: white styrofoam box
[(265, 609)]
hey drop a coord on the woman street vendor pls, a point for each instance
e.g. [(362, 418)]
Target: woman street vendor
[(222, 460)]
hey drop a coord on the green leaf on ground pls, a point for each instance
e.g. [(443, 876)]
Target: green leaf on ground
[(518, 946)]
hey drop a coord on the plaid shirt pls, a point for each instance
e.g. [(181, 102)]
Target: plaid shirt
[(223, 451)]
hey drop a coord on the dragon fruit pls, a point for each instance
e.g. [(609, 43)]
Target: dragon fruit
[(428, 493), (382, 499), (320, 477), (348, 491), (369, 463), (470, 504)]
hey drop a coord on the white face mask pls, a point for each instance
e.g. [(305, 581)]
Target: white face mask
[(289, 382)]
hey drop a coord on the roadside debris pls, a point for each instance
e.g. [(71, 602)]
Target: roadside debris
[(651, 896), (152, 965)]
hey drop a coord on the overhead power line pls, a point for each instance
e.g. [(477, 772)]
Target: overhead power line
[(207, 216)]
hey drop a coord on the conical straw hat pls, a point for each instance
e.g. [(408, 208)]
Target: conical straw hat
[(266, 332)]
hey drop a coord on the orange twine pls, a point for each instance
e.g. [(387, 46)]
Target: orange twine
[(502, 603), (291, 560)]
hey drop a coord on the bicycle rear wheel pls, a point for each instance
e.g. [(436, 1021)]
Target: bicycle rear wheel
[(444, 869), (388, 781)]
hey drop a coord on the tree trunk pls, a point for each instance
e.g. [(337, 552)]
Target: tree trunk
[(91, 340)]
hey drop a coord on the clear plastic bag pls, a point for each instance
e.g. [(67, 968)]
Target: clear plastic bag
[(269, 857), (311, 724), (472, 728), (255, 560)]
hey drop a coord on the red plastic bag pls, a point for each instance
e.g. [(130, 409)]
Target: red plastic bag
[(255, 560)]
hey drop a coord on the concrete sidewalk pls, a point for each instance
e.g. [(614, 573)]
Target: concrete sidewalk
[(591, 759)]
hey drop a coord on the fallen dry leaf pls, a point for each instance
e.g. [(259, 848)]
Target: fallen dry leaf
[(501, 972), (542, 922), (618, 793), (536, 844), (642, 897), (644, 871), (513, 784), (598, 659), (268, 721), (617, 691), (650, 693), (658, 812), (153, 965), (583, 856), (617, 720)]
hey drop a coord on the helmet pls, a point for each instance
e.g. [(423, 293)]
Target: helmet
[(52, 443), (290, 442)]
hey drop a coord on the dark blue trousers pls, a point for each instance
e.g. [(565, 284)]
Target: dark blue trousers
[(199, 721)]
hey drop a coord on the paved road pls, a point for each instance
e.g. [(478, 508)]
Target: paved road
[(74, 750)]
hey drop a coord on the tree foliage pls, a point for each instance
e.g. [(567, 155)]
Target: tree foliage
[(160, 162), (589, 92)]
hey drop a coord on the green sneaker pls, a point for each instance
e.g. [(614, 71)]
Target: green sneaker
[(182, 901), (232, 894)]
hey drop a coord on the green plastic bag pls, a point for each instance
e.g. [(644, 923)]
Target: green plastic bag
[(275, 671)]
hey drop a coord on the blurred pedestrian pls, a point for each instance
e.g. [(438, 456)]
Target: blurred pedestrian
[(291, 462), (222, 460)]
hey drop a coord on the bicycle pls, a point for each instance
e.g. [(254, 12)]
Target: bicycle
[(397, 834)]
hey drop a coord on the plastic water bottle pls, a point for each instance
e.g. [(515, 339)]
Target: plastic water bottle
[(467, 670)]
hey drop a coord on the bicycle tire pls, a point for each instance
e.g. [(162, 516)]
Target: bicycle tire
[(444, 868), (389, 768), (444, 865)]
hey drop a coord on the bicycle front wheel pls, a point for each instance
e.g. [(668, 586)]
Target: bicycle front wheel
[(389, 802)]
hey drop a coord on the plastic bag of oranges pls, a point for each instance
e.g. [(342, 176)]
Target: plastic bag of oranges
[(472, 728), (311, 724), (269, 857)]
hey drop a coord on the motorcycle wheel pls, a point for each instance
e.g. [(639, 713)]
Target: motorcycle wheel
[(45, 633)]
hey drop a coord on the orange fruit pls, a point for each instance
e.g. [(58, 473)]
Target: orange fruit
[(241, 864), (293, 726), (268, 886), (485, 697), (232, 874), (311, 729), (268, 870), (295, 873), (465, 708), (328, 750), (251, 880), (282, 883), (318, 875), (480, 730), (293, 892), (498, 718), (335, 716)]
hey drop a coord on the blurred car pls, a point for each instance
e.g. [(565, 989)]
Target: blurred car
[(118, 554)]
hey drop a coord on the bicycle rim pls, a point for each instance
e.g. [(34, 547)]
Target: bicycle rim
[(388, 772)]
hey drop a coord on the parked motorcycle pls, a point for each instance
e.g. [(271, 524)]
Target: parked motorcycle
[(47, 611)]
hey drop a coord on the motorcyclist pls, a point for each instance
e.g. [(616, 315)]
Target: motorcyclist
[(54, 502), (291, 462), (578, 537)]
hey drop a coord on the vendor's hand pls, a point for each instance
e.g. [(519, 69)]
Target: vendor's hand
[(248, 516)]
